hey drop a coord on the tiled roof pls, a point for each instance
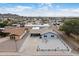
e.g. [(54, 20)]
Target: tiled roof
[(18, 31)]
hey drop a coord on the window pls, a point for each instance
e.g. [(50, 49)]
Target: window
[(52, 35), (45, 35)]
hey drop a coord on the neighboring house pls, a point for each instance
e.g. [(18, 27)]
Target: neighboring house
[(9, 43), (16, 33), (16, 25), (36, 25), (1, 29)]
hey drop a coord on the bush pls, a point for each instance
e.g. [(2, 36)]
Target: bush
[(2, 25)]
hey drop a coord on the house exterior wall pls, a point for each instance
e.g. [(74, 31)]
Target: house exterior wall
[(23, 34), (49, 34)]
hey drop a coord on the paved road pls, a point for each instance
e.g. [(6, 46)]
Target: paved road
[(4, 39)]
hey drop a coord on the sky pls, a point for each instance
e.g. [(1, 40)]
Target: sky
[(41, 9)]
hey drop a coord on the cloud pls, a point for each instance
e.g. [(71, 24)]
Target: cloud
[(68, 12), (16, 9), (42, 10)]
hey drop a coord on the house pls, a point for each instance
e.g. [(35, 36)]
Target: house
[(15, 32), (36, 25), (48, 33), (14, 40), (16, 25), (1, 29), (43, 33), (48, 36)]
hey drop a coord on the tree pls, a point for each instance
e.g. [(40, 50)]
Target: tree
[(71, 26), (2, 25), (5, 22), (8, 22)]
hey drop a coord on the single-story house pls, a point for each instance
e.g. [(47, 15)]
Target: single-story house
[(37, 25), (48, 35), (44, 33), (16, 25), (1, 29), (15, 32)]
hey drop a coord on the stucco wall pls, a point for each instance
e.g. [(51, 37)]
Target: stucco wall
[(48, 35)]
